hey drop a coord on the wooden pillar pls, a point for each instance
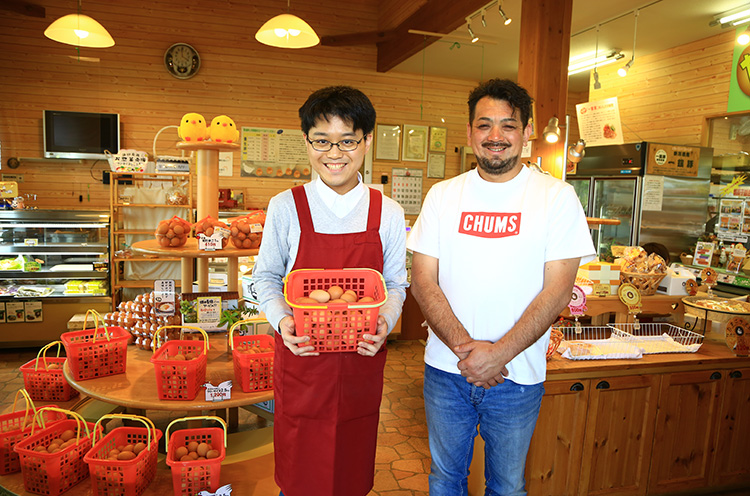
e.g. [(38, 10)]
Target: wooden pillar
[(543, 71)]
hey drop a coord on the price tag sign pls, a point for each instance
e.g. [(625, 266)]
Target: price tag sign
[(31, 242), (577, 303), (256, 228), (164, 297), (210, 243), (218, 393), (630, 297)]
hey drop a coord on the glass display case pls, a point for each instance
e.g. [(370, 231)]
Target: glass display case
[(53, 264)]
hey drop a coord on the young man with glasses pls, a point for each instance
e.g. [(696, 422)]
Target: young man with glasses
[(327, 404)]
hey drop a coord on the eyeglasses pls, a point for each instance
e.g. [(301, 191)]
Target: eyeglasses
[(346, 145)]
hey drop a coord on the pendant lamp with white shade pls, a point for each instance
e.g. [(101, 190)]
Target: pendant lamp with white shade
[(287, 31)]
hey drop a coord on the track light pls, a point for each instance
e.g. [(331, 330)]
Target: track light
[(507, 20), (484, 21), (623, 71), (551, 133), (474, 38), (576, 152), (597, 84)]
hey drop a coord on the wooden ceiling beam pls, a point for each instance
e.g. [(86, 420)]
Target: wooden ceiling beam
[(364, 38), (25, 8), (440, 16)]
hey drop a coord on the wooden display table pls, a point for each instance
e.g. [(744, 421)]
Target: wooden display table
[(190, 252), (136, 389)]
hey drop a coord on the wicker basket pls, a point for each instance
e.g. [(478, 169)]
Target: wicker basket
[(645, 283)]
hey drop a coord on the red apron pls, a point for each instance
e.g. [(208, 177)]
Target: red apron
[(327, 407)]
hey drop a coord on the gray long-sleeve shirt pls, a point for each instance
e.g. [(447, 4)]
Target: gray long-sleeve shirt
[(281, 236)]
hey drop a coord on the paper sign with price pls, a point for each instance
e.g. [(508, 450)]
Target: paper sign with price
[(218, 393), (209, 309), (164, 297)]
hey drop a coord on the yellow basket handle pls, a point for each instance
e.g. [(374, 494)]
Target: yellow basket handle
[(202, 417), (29, 404), (76, 416), (239, 323), (97, 319), (149, 425), (43, 353), (157, 344)]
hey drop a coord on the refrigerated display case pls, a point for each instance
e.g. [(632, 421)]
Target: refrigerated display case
[(53, 265), (659, 193)]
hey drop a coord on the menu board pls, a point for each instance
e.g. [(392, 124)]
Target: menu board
[(599, 122), (274, 153), (672, 160)]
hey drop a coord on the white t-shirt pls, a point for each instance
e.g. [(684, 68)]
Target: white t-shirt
[(492, 241)]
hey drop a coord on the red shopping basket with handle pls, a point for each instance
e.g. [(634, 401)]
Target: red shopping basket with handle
[(51, 471), (123, 463), (43, 377), (194, 473), (335, 326), (252, 356), (97, 352), (180, 365), (15, 426)]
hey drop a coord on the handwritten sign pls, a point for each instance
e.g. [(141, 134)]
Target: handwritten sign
[(213, 242), (209, 309), (164, 297)]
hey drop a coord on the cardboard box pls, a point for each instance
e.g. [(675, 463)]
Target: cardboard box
[(674, 282), (602, 273)]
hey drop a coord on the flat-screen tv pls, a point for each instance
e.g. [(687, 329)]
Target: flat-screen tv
[(80, 135)]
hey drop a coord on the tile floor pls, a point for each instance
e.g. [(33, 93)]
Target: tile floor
[(403, 456)]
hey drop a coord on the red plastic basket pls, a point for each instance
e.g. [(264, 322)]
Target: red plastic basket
[(191, 477), (335, 326), (123, 477), (179, 379), (53, 473), (44, 383), (254, 369), (16, 426), (96, 352)]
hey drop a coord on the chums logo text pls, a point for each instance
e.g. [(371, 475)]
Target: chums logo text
[(490, 224)]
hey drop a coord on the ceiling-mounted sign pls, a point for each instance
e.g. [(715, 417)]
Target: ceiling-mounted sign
[(672, 160), (599, 122)]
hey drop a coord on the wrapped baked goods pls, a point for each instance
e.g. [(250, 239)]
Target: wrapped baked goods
[(172, 233)]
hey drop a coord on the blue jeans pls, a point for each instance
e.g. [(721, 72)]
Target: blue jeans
[(505, 414)]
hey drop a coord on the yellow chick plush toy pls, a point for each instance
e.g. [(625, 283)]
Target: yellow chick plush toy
[(193, 128), (223, 130)]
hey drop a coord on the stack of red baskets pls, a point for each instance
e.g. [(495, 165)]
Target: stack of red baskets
[(335, 326)]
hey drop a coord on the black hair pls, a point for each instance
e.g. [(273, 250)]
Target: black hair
[(347, 103), (502, 89), (659, 249)]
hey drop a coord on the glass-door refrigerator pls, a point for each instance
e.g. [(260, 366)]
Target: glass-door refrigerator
[(658, 192)]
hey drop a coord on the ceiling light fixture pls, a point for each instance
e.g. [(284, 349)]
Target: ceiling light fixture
[(474, 38), (551, 132), (79, 30), (623, 71), (597, 84), (287, 31), (507, 20), (592, 60), (484, 21), (732, 17)]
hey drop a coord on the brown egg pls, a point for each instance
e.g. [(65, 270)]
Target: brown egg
[(192, 446), (244, 227), (175, 241), (139, 447), (165, 242), (350, 297), (180, 452), (126, 455), (209, 231), (211, 454), (202, 449), (335, 292), (186, 458), (319, 295), (338, 300), (178, 229), (68, 434), (366, 299), (304, 300), (170, 234), (162, 228)]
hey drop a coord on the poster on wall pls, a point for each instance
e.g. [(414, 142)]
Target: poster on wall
[(599, 122), (739, 81), (274, 153)]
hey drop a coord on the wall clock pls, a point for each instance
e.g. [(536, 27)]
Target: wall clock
[(182, 61)]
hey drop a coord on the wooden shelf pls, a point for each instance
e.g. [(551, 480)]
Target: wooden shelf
[(151, 205)]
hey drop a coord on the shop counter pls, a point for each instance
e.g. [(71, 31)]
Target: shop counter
[(598, 308)]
